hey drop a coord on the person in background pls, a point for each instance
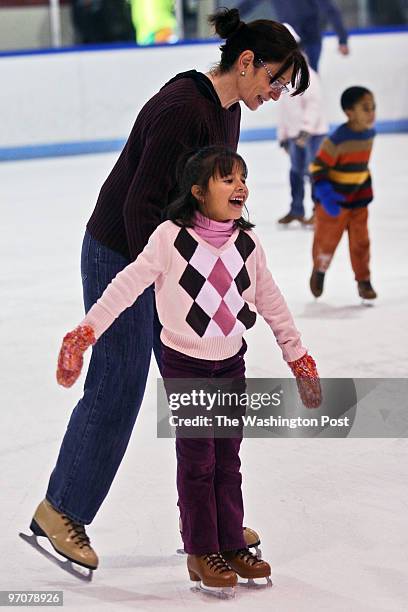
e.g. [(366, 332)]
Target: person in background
[(391, 12), (102, 21), (342, 191), (301, 128), (154, 21), (308, 18), (258, 60)]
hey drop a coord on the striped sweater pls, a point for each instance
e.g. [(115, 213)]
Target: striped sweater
[(343, 160)]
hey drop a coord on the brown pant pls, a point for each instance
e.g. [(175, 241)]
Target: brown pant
[(328, 231)]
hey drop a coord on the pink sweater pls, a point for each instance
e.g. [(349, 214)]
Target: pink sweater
[(206, 295)]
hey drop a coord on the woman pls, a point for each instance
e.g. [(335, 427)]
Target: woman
[(192, 110)]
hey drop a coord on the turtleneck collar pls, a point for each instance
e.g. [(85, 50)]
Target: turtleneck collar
[(214, 232)]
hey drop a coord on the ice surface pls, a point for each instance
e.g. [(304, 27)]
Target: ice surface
[(332, 513)]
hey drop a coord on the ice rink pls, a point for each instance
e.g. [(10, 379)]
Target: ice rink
[(332, 513)]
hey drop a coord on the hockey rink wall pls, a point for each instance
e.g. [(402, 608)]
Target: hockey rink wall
[(84, 100)]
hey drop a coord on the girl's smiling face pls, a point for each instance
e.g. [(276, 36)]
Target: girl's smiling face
[(225, 196)]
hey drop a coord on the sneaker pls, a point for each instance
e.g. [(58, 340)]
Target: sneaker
[(212, 569), (67, 537), (316, 283), (246, 564), (365, 290), (289, 218)]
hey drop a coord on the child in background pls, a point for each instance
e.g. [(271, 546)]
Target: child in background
[(342, 191), (301, 128), (210, 275)]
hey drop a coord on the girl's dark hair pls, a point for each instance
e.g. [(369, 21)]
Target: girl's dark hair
[(196, 169), (270, 41), (352, 95)]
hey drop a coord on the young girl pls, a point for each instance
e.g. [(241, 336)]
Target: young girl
[(210, 275)]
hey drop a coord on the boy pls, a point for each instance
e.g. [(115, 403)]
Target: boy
[(342, 191)]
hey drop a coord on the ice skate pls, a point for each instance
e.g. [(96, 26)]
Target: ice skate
[(213, 575), (289, 218), (252, 540), (67, 537), (249, 566), (251, 537), (317, 283), (309, 222), (65, 565), (366, 291)]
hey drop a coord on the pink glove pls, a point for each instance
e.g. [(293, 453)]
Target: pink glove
[(70, 358), (307, 379)]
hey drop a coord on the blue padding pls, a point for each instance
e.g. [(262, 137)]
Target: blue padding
[(59, 149), (106, 47), (199, 41)]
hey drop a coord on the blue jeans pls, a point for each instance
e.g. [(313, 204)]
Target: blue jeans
[(300, 158), (101, 424)]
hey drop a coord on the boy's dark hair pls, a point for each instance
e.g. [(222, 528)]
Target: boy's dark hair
[(196, 168), (270, 41), (352, 95)]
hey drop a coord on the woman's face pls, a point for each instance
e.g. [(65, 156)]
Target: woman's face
[(255, 87)]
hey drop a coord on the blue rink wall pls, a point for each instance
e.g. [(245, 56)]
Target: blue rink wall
[(83, 100)]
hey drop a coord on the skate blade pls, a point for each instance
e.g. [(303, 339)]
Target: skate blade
[(219, 592), (181, 551), (253, 584), (68, 566), (368, 303)]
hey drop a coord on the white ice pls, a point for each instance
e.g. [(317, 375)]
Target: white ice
[(332, 513)]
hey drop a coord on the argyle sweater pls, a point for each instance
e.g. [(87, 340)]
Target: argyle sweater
[(343, 160), (206, 297)]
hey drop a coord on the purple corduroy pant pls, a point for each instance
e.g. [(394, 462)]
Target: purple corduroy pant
[(208, 469)]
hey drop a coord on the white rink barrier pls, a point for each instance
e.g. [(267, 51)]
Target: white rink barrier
[(78, 101)]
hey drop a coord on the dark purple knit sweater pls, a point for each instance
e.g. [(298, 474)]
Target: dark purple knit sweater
[(186, 113)]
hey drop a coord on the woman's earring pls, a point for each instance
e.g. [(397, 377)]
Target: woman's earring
[(242, 72)]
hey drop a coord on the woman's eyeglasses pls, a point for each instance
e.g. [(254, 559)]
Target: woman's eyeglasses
[(274, 85)]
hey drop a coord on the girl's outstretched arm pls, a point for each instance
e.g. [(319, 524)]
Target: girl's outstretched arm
[(121, 293), (271, 304)]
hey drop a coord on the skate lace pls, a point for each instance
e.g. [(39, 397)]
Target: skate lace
[(246, 555), (217, 562), (79, 532)]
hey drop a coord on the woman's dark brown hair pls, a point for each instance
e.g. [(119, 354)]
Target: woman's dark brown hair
[(269, 41)]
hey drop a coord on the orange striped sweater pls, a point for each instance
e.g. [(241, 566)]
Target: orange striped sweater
[(343, 160)]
